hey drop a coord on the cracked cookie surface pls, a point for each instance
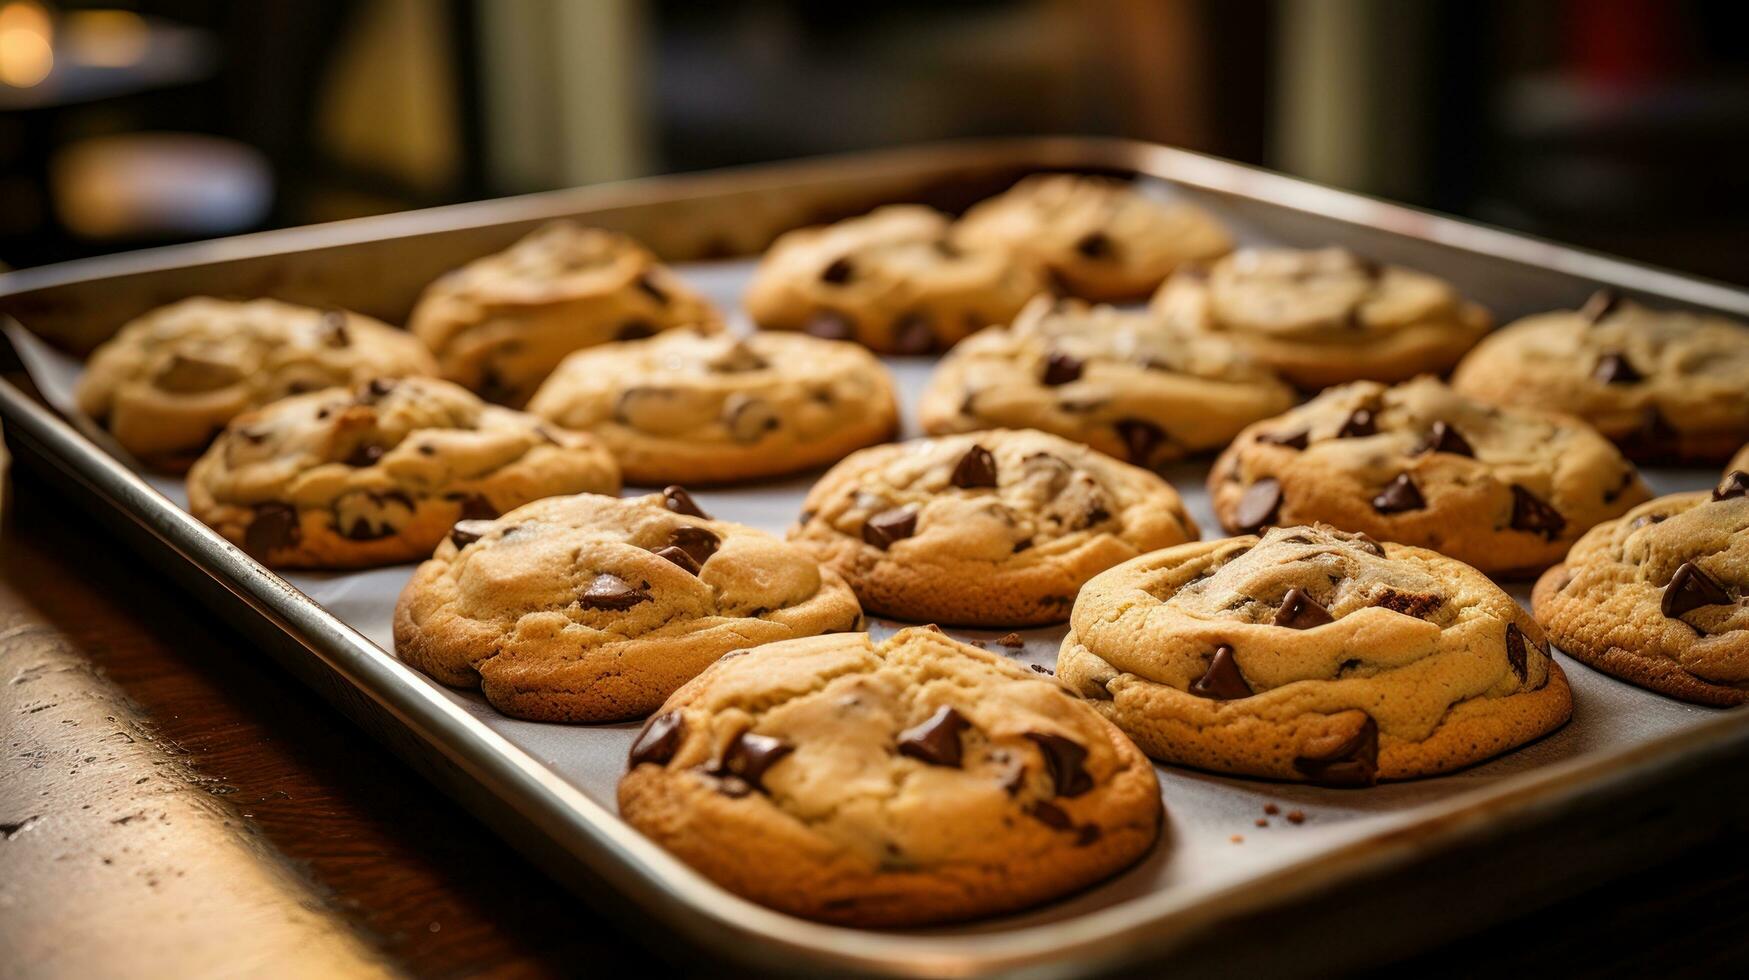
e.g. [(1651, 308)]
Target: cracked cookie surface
[(685, 407), (170, 380), (378, 473), (1668, 386), (1326, 316), (1117, 380), (912, 781), (891, 280), (1312, 654), (1504, 490), (1660, 597), (500, 324), (995, 528), (1094, 237), (592, 608)]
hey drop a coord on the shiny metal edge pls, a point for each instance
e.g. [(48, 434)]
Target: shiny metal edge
[(704, 913)]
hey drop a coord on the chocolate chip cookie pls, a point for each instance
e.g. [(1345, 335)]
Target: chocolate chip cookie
[(1312, 654), (1119, 381), (891, 280), (996, 528), (686, 407), (1660, 597), (378, 473), (1326, 316), (500, 324), (908, 782), (1505, 490), (1668, 386), (169, 381), (592, 608), (1094, 237)]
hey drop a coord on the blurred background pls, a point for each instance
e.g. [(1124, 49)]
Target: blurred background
[(1616, 124)]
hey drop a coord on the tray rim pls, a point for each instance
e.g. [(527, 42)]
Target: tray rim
[(669, 890)]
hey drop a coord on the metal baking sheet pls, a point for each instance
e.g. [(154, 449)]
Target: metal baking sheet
[(1213, 861)]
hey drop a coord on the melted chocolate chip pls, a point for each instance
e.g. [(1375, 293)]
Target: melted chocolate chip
[(1398, 496), (493, 387), (274, 526), (830, 325), (1359, 423), (374, 391), (912, 334), (889, 526), (1417, 604), (679, 557), (609, 591), (1645, 519), (1301, 612), (1443, 438), (659, 740), (1613, 369), (977, 468), (699, 543), (476, 507), (936, 740), (676, 499), (1140, 438), (635, 330), (465, 533), (1060, 369), (1531, 513), (838, 271), (1094, 245), (1735, 484), (1049, 814), (365, 454), (1353, 761), (1258, 505), (1292, 440), (750, 756), (1222, 681), (1516, 655), (1691, 588), (1065, 758), (1601, 304)]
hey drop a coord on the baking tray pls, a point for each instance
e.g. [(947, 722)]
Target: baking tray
[(1623, 783)]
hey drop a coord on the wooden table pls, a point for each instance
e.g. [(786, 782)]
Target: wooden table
[(226, 820)]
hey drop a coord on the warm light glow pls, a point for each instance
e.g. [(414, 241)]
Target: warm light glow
[(27, 51), (105, 38)]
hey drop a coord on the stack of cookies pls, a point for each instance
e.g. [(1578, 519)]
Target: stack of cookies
[(1089, 336)]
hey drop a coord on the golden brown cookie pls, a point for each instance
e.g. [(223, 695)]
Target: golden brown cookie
[(900, 783)]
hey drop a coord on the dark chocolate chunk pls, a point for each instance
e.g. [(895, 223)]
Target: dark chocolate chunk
[(1417, 604), (375, 391), (1094, 245), (465, 533), (1065, 759), (1087, 834), (1049, 814), (1353, 761), (659, 740), (647, 283), (1613, 369), (1735, 484), (1601, 304), (635, 330), (749, 419), (1140, 438), (1443, 438), (912, 334), (1645, 519), (364, 454), (838, 271), (1301, 612), (275, 526), (1399, 495), (475, 507), (699, 543), (679, 557), (1060, 369), (1292, 440), (1691, 588), (1516, 655), (1258, 505), (1223, 680), (831, 325), (493, 387), (609, 591), (889, 526), (977, 468), (936, 740), (1531, 513), (1360, 422), (750, 756), (675, 497), (363, 530)]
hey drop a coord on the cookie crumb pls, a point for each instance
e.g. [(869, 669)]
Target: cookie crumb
[(1296, 816), (1012, 641), (1271, 809), (1237, 839), (1262, 822)]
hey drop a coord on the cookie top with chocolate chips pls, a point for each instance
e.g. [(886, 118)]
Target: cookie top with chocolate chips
[(1094, 237), (1660, 596), (686, 407), (890, 280), (1117, 380), (167, 382), (995, 528), (377, 473), (905, 782), (500, 324), (1667, 385), (1501, 489), (1312, 654), (593, 608), (1325, 316)]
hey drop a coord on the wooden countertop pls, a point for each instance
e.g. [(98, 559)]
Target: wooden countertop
[(172, 803)]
